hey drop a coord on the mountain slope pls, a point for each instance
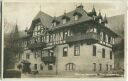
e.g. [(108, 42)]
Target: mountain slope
[(116, 23)]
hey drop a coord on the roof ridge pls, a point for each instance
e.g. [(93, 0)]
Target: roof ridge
[(45, 13), (40, 13)]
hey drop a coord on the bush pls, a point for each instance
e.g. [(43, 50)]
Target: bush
[(11, 73)]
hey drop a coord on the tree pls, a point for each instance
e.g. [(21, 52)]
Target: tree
[(12, 49)]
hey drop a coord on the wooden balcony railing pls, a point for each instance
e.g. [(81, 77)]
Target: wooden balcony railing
[(89, 36), (36, 45), (48, 59)]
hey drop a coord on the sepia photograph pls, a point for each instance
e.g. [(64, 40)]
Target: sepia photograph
[(64, 39)]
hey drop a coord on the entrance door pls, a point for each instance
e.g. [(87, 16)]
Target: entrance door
[(35, 66), (26, 68)]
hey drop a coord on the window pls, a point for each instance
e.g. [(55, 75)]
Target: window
[(64, 21), (94, 66), (110, 67), (65, 34), (42, 52), (94, 50), (76, 17), (54, 24), (110, 54), (41, 67), (36, 29), (76, 50), (109, 40), (70, 66), (35, 55), (27, 56), (35, 66), (101, 35), (50, 67), (42, 38), (50, 38), (51, 52), (106, 67), (103, 53), (95, 30), (113, 41), (100, 20), (38, 39), (91, 30), (106, 24), (100, 67), (65, 51), (94, 18), (106, 38)]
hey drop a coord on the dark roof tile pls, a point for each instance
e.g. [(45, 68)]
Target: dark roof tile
[(83, 18)]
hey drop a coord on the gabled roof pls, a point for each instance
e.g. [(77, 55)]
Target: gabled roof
[(45, 18), (83, 18)]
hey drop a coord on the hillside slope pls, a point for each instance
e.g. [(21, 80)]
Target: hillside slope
[(116, 23)]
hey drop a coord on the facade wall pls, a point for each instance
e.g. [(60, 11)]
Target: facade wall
[(84, 62), (39, 63)]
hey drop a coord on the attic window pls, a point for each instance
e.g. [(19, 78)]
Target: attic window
[(100, 21), (54, 24), (76, 17), (65, 18), (64, 21)]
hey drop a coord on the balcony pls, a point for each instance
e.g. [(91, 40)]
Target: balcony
[(89, 37), (37, 45), (48, 59)]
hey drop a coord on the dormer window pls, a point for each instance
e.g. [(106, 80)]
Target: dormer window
[(64, 21), (95, 30), (54, 24), (65, 18), (76, 17), (100, 20)]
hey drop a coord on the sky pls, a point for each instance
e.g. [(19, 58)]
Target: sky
[(23, 13)]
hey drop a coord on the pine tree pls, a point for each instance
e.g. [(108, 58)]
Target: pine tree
[(13, 48)]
